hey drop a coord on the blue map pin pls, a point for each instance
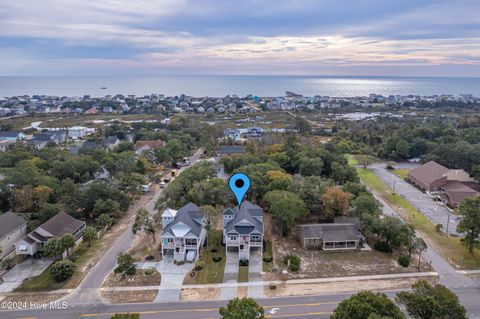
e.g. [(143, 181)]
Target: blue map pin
[(239, 184)]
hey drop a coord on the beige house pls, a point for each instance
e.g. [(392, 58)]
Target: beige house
[(12, 229)]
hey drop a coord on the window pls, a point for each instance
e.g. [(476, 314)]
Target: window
[(190, 241), (233, 237)]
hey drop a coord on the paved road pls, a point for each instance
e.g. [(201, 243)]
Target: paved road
[(303, 307), (437, 214), (86, 292)]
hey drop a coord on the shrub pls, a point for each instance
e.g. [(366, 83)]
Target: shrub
[(404, 261), (150, 271), (62, 270), (293, 261), (438, 227), (243, 262), (216, 258), (383, 247), (199, 265), (213, 250), (268, 259), (390, 167)]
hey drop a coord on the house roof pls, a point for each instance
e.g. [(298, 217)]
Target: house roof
[(61, 224), (111, 139), (330, 232), (169, 212), (428, 172), (150, 143), (235, 149), (248, 218), (11, 134), (458, 191), (8, 222), (458, 175), (42, 138), (188, 220)]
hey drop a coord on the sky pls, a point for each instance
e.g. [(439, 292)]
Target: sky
[(245, 37)]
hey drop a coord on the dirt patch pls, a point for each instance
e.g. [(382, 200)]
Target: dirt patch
[(32, 300), (341, 287), (130, 296), (196, 294), (321, 264), (144, 246), (141, 278), (242, 292)]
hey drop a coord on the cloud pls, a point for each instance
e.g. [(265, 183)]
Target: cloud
[(250, 36)]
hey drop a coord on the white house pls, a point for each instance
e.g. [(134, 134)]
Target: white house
[(77, 132), (183, 233), (12, 229)]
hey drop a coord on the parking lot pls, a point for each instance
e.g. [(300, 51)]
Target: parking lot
[(436, 213)]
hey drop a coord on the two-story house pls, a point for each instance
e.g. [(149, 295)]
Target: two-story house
[(12, 228), (183, 233), (243, 229)]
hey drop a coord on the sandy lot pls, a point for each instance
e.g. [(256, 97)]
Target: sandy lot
[(129, 296), (190, 294), (140, 279)]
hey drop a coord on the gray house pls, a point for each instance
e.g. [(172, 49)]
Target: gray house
[(183, 233), (12, 229), (342, 235), (243, 229)]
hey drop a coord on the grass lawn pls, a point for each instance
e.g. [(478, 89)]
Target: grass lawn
[(212, 272), (243, 274), (449, 247), (402, 173), (352, 159), (80, 256), (267, 253)]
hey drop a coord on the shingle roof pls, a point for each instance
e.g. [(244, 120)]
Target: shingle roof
[(248, 218), (329, 232), (189, 215), (429, 172), (150, 143), (9, 221), (9, 134), (458, 191), (61, 224), (111, 140), (231, 150)]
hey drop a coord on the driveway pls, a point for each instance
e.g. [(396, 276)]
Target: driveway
[(436, 213), (230, 276), (255, 268), (26, 269), (172, 279)]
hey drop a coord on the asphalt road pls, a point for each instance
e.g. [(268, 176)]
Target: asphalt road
[(303, 307)]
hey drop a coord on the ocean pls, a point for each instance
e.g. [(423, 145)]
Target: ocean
[(219, 86)]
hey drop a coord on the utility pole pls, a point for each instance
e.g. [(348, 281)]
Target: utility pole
[(448, 223), (394, 182)]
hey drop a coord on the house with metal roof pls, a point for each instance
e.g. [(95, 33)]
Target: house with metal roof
[(243, 229), (183, 233), (58, 226)]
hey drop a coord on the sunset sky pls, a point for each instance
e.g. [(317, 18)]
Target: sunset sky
[(273, 37)]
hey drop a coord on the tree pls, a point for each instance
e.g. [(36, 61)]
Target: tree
[(431, 302), (311, 188), (67, 242), (125, 316), (365, 204), (365, 305), (469, 225), (396, 233), (53, 248), (209, 192), (89, 235), (335, 201), (104, 221), (279, 180), (107, 207), (364, 160), (286, 207), (245, 308), (421, 246), (62, 270), (310, 166), (125, 265)]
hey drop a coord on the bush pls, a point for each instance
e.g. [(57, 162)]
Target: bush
[(438, 227), (213, 250), (217, 259), (243, 262), (390, 167), (199, 265), (404, 261), (294, 260), (62, 270), (383, 247), (150, 271), (268, 259)]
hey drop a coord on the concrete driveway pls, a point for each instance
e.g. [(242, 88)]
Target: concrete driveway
[(255, 268), (230, 275), (436, 213), (26, 269), (172, 279)]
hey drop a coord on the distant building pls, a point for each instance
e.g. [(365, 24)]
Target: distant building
[(229, 150), (77, 132), (112, 141), (142, 146), (12, 136)]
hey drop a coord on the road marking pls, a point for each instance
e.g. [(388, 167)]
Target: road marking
[(209, 309), (26, 317), (300, 314)]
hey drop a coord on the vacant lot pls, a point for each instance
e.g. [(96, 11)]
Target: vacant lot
[(319, 264), (130, 296), (143, 277)]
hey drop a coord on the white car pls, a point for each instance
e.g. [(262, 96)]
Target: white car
[(162, 184)]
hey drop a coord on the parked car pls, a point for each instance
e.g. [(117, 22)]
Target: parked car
[(163, 184)]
